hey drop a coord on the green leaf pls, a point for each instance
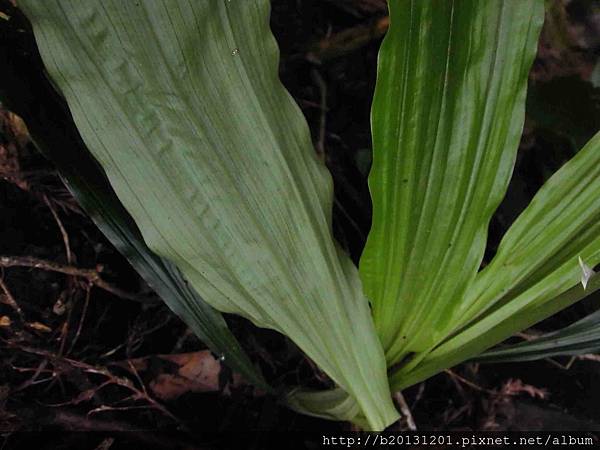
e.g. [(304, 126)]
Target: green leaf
[(536, 271), (181, 104), (332, 404), (26, 91), (539, 255), (447, 118), (486, 333), (579, 338)]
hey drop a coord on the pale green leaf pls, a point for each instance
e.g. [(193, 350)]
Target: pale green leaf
[(332, 404), (181, 104), (26, 91), (447, 118)]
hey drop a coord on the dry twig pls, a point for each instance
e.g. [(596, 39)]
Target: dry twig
[(9, 300), (320, 82), (136, 393), (405, 410), (81, 320), (346, 41), (62, 229), (92, 276), (466, 382)]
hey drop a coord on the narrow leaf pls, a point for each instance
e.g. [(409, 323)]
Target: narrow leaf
[(181, 104), (579, 338), (484, 334), (447, 118), (538, 258)]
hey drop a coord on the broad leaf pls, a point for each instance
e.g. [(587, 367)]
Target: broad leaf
[(536, 271), (181, 104), (447, 118), (24, 89)]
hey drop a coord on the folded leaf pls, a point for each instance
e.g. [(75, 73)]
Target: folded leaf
[(447, 118), (332, 404), (25, 90), (181, 104)]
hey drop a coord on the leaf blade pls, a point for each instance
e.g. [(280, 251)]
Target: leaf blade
[(578, 338), (560, 226), (447, 117), (240, 203), (536, 270), (484, 335), (24, 89)]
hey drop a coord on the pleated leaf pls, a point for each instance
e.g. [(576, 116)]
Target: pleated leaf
[(26, 91), (181, 104), (446, 119), (536, 271)]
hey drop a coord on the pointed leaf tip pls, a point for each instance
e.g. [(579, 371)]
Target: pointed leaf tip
[(586, 273)]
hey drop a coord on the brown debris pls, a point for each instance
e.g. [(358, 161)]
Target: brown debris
[(189, 373), (565, 48), (91, 275), (360, 8), (516, 387), (15, 133), (38, 326), (346, 41)]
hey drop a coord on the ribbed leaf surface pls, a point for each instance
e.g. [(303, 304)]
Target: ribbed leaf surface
[(578, 338), (484, 334), (447, 117), (535, 272), (539, 254), (181, 104), (25, 90)]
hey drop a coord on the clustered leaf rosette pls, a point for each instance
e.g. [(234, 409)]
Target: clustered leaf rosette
[(181, 104)]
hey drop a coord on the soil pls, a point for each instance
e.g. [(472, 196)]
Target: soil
[(75, 336)]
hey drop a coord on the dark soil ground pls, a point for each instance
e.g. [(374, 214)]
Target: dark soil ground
[(90, 359)]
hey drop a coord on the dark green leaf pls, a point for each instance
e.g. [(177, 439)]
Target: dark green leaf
[(578, 338)]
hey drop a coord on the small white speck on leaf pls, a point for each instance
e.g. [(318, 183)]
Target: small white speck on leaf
[(235, 51), (586, 273)]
